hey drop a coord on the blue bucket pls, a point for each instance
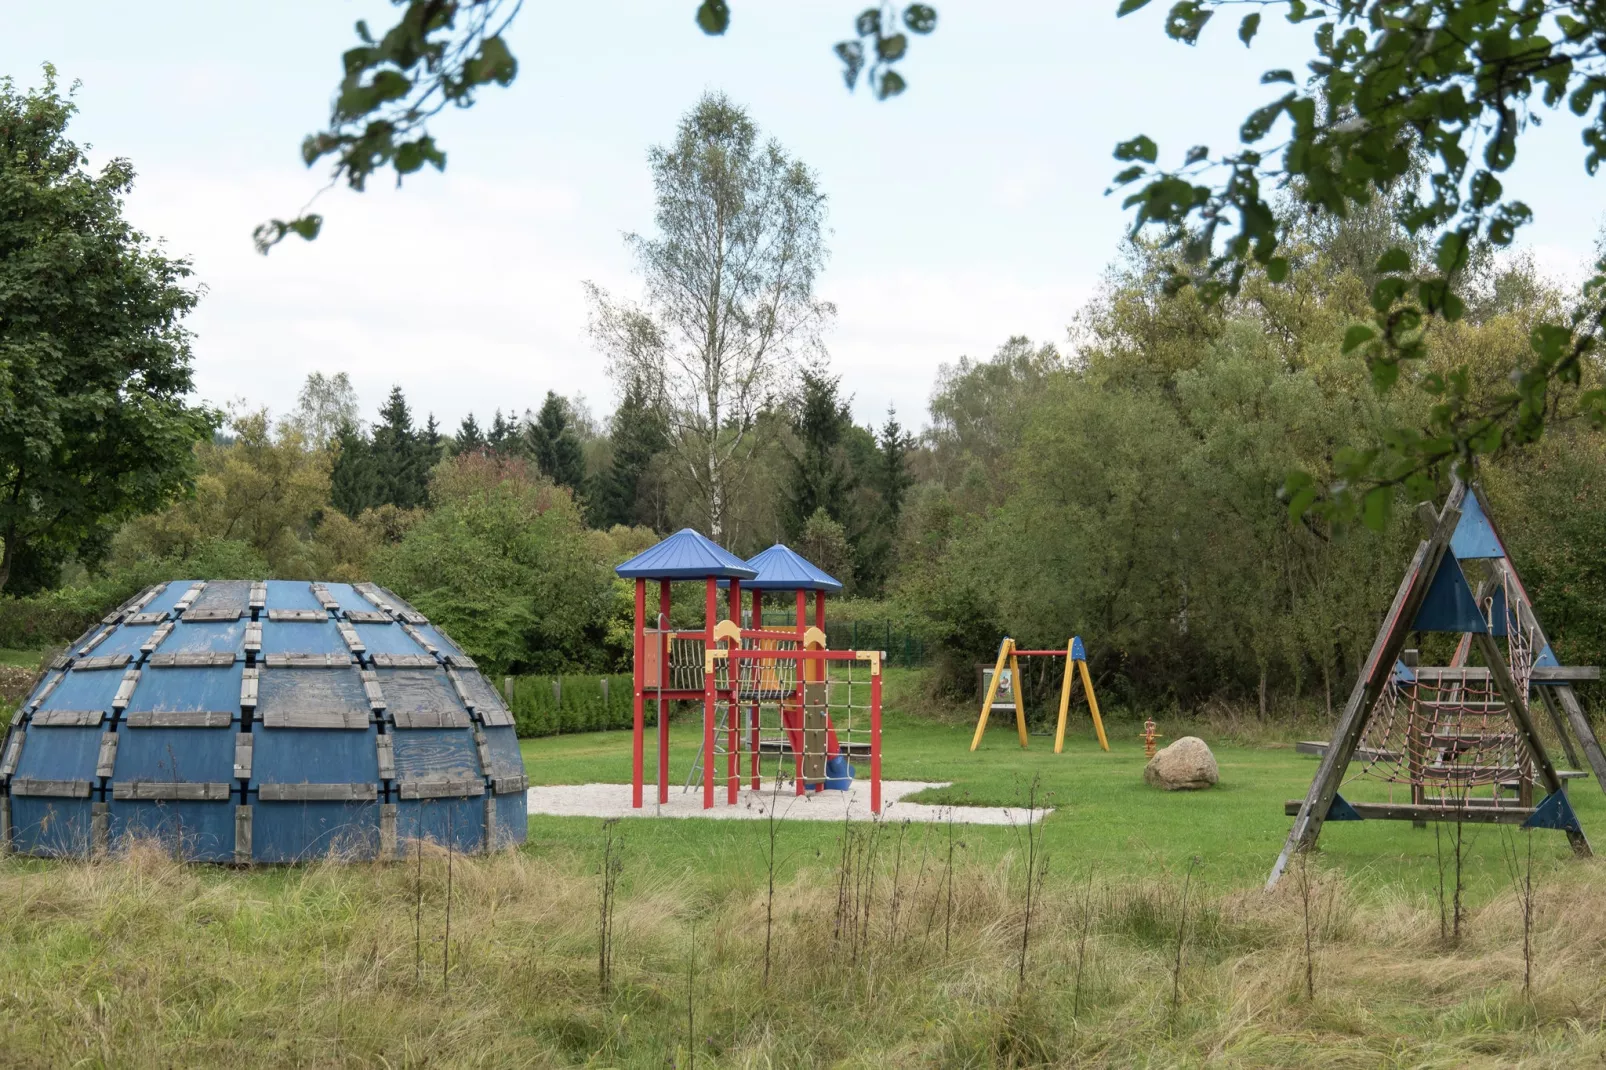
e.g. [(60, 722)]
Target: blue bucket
[(838, 773)]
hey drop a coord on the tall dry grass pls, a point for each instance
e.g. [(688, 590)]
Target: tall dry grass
[(140, 961)]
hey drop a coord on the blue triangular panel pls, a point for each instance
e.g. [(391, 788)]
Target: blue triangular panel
[(1342, 810), (1077, 653), (1555, 812), (1449, 606), (1403, 673), (1547, 657), (685, 555), (1474, 538), (780, 568)]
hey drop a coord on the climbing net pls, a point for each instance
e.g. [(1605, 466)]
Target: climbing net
[(1448, 733)]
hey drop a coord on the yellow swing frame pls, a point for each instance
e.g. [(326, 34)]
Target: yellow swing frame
[(1075, 660)]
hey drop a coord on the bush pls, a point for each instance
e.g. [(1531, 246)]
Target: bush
[(575, 704)]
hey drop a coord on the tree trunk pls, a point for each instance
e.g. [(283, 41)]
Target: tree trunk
[(8, 556), (1263, 692)]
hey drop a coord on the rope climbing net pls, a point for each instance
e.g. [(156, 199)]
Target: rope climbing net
[(1446, 733)]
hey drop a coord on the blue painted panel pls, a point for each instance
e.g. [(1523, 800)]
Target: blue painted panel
[(125, 640), (1547, 657), (307, 831), (512, 819), (1474, 536), (686, 554), (299, 690), (1078, 652), (350, 598), (397, 601), (85, 690), (300, 637), (200, 831), (506, 758), (1449, 605), (53, 752), (1403, 673), (196, 690), (435, 636), (418, 691), (232, 596), (179, 755), (207, 637), (481, 695), (291, 594), (313, 755), (57, 828), (43, 683), (163, 603), (459, 822), (443, 753), (780, 568), (1499, 614), (387, 639)]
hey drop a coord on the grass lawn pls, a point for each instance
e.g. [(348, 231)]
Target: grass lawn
[(27, 659)]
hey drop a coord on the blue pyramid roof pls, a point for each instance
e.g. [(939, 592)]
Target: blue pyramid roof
[(781, 568), (685, 555), (1474, 536)]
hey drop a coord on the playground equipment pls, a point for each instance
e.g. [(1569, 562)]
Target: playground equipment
[(262, 722), (1010, 681), (818, 706), (1459, 739), (1150, 736)]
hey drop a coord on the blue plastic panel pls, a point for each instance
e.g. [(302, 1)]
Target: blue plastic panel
[(387, 639), (301, 637), (512, 819), (51, 752), (164, 602), (44, 682), (233, 596), (85, 690), (313, 756), (481, 695), (49, 827), (199, 831), (291, 594), (350, 598), (435, 636), (1474, 536), (207, 637), (780, 568), (307, 831), (127, 639), (195, 690), (459, 822), (686, 555)]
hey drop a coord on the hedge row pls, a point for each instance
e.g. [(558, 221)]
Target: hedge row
[(552, 705)]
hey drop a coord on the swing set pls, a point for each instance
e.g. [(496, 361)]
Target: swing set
[(1007, 680)]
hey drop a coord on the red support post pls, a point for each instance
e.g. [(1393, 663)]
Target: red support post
[(639, 680), (710, 618), (758, 622), (875, 740), (663, 711), (819, 610), (733, 725), (802, 674)]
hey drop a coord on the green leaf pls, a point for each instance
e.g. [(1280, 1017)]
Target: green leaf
[(1357, 335), (891, 49), (1141, 147), (1277, 76), (892, 84), (307, 226), (714, 17), (1375, 507), (493, 63), (868, 24), (1248, 28), (1129, 6), (1451, 255), (1277, 268), (1396, 259), (920, 18)]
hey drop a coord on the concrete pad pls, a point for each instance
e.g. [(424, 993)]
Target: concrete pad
[(613, 800)]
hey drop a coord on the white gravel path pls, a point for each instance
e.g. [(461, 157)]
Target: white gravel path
[(613, 800)]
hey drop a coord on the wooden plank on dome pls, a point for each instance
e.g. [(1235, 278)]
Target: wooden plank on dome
[(67, 718), (317, 792), (59, 789), (439, 788), (172, 791), (303, 616), (102, 661), (302, 718), (217, 659), (179, 719)]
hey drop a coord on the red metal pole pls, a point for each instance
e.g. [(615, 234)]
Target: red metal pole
[(663, 710), (758, 622), (875, 741), (710, 613), (638, 727), (733, 721), (802, 671), (819, 610)]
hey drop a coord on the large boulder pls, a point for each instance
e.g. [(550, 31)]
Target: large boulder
[(1186, 765)]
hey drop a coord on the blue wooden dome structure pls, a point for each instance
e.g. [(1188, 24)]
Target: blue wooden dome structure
[(270, 722)]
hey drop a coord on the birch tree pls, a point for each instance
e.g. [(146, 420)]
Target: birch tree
[(729, 303)]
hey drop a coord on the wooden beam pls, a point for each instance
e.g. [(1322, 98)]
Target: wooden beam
[(1471, 815), (1431, 674)]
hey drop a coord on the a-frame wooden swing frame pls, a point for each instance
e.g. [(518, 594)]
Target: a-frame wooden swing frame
[(1375, 676)]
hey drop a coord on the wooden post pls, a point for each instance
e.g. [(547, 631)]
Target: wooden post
[(710, 618), (638, 711), (1065, 697), (1018, 686), (1005, 649), (1093, 704), (1369, 684), (662, 639)]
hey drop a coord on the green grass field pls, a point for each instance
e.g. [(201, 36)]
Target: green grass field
[(881, 952)]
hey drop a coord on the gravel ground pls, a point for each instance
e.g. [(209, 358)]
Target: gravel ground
[(613, 800)]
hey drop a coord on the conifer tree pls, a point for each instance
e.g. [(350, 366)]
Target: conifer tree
[(554, 445), (638, 433), (469, 438)]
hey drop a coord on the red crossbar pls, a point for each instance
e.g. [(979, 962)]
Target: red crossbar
[(1038, 653)]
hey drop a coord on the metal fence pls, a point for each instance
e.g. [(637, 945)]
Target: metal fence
[(903, 648)]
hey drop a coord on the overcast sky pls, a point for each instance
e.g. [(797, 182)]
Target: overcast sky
[(968, 210)]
